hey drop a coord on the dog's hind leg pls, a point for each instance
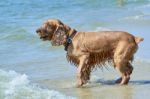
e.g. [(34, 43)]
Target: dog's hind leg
[(122, 58), (125, 73)]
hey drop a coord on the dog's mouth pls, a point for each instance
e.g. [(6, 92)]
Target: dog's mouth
[(44, 38)]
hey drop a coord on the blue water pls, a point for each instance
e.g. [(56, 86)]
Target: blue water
[(22, 51)]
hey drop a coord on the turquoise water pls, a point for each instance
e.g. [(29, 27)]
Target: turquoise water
[(22, 52)]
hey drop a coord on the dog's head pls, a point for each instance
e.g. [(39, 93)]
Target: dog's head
[(53, 30)]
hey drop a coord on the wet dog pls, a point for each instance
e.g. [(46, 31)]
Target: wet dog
[(88, 50)]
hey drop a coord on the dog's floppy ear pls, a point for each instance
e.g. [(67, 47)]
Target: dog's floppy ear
[(59, 36)]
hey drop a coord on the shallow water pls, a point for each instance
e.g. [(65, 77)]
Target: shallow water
[(102, 84), (43, 69)]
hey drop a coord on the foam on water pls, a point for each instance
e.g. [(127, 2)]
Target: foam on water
[(18, 86), (102, 29)]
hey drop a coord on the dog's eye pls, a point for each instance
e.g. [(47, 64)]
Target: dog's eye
[(50, 27), (45, 31)]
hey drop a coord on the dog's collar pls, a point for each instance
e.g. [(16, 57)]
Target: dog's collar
[(69, 39)]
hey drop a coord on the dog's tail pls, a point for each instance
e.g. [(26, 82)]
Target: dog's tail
[(138, 39)]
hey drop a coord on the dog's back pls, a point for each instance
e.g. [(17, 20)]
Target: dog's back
[(105, 40)]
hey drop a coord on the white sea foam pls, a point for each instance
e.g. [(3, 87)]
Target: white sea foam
[(18, 86), (102, 29), (136, 17), (141, 60)]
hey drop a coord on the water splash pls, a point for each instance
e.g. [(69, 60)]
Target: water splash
[(18, 86)]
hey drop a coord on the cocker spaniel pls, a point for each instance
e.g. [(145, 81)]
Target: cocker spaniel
[(89, 50)]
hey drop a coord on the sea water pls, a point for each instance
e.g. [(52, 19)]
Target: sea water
[(33, 69)]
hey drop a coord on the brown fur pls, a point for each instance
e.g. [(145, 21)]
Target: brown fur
[(89, 50)]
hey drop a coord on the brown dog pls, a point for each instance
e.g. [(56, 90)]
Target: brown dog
[(88, 50)]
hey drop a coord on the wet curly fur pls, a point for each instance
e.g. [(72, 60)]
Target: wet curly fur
[(96, 60), (90, 50)]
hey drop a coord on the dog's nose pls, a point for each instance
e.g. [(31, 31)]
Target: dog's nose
[(38, 30)]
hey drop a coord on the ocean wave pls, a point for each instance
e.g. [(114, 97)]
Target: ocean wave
[(102, 29), (136, 17), (138, 60), (135, 1), (18, 86), (14, 34)]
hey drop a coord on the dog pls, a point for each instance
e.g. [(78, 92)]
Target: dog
[(89, 50)]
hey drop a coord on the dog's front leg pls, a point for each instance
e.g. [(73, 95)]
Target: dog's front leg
[(80, 77)]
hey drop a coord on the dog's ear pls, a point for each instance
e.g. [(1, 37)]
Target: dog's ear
[(59, 36)]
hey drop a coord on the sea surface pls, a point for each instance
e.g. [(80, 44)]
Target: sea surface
[(33, 69)]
